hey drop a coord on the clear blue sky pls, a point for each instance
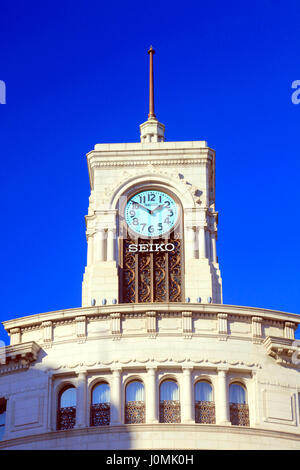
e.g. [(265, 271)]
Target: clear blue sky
[(76, 74)]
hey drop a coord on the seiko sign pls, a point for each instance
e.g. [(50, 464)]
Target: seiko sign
[(151, 247)]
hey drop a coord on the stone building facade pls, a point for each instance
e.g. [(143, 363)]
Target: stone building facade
[(153, 359)]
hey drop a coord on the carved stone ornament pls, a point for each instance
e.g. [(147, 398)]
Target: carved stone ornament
[(177, 178), (282, 350), (18, 357), (163, 360)]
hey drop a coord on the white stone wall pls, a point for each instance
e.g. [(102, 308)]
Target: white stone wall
[(189, 342), (185, 168)]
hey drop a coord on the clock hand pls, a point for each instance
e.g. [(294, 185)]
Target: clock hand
[(142, 207), (157, 209)]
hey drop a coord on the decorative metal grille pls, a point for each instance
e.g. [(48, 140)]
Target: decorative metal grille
[(160, 287), (152, 276), (205, 412), (134, 412), (129, 280), (66, 417), (175, 291), (100, 414), (144, 272), (169, 411), (239, 414)]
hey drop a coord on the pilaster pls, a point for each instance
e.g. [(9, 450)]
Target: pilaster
[(15, 336), (151, 324), (223, 326), (47, 333), (256, 329)]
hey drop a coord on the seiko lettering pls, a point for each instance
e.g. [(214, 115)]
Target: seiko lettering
[(156, 247)]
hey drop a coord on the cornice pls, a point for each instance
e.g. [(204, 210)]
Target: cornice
[(33, 321), (143, 163)]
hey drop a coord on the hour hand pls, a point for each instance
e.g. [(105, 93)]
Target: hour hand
[(157, 209)]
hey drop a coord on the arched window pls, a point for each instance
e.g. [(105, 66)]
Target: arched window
[(2, 417), (239, 410), (204, 403), (169, 405), (100, 405), (150, 275), (135, 402), (66, 411)]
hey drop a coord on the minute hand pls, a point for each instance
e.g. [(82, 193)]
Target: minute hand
[(158, 208)]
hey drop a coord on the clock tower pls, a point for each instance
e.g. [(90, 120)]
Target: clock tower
[(151, 223)]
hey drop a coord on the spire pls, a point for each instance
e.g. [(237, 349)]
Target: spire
[(151, 114), (152, 130)]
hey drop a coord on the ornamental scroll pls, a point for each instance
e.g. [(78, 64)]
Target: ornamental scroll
[(153, 273)]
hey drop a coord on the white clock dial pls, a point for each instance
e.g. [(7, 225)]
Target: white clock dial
[(151, 213)]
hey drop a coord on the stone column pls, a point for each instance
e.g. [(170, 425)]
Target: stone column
[(208, 244), (214, 249), (99, 248), (151, 396), (186, 396), (190, 242), (201, 243), (81, 402), (289, 330), (110, 244), (90, 250), (15, 336), (116, 402), (222, 405)]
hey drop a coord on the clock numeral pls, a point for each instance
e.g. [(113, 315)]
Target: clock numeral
[(142, 199), (143, 226), (135, 221), (132, 213), (151, 197), (151, 229), (135, 205), (171, 213), (167, 203), (167, 221), (160, 226)]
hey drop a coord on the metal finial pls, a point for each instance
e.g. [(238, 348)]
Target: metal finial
[(151, 114)]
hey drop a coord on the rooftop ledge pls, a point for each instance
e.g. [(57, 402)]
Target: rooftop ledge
[(145, 307), (151, 145)]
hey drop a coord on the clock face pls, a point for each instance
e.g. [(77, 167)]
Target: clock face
[(151, 213)]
